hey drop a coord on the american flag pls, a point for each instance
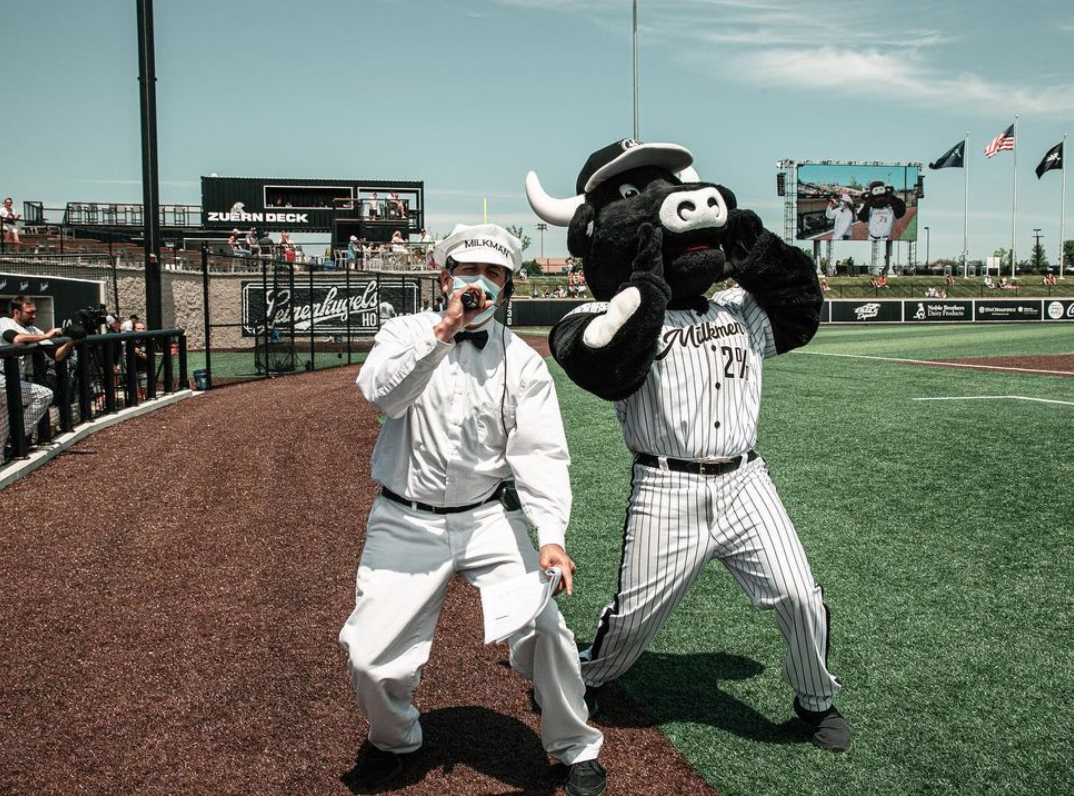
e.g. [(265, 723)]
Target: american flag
[(1002, 142)]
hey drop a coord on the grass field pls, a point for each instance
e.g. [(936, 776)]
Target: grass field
[(941, 532), (235, 364)]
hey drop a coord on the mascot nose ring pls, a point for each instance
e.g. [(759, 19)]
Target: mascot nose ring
[(683, 211)]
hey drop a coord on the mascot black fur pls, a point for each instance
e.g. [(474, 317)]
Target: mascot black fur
[(685, 373)]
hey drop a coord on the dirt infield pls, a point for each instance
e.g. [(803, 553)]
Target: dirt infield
[(172, 591), (1044, 365)]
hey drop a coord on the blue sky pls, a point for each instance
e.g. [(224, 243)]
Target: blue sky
[(468, 96)]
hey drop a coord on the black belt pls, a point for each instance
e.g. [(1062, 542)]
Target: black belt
[(696, 467), (440, 509)]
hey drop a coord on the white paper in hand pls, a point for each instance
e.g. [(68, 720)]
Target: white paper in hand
[(511, 605)]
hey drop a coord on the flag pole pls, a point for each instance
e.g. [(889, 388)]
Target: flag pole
[(1014, 200), (966, 208), (1063, 207), (635, 66)]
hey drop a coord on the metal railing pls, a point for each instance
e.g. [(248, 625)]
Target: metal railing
[(406, 256), (896, 290), (128, 214), (103, 374)]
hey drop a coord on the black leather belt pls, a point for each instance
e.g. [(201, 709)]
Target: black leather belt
[(697, 467), (440, 509)]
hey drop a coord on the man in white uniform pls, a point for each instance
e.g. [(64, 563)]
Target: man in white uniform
[(469, 407), (841, 213)]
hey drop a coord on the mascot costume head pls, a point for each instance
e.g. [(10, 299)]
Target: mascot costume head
[(631, 195)]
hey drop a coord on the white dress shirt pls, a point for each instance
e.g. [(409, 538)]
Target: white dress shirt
[(444, 441)]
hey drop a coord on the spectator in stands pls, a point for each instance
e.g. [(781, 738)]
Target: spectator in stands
[(824, 286), (425, 305), (1049, 279), (397, 205), (950, 280), (285, 239), (426, 241), (129, 324), (373, 207), (9, 221), (141, 362), (19, 329), (352, 252), (253, 242), (988, 283)]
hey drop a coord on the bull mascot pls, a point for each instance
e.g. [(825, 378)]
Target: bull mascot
[(880, 209), (684, 372)]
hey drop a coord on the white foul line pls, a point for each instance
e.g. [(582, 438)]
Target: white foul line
[(939, 362), (997, 398)]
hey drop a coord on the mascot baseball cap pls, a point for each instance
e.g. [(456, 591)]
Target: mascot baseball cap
[(627, 154), (481, 243)]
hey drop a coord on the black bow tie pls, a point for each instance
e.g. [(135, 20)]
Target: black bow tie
[(477, 338)]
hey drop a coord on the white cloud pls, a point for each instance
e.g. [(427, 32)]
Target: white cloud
[(903, 76), (776, 43)]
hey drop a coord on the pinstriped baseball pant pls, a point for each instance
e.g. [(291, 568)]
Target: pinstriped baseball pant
[(679, 522), (35, 400)]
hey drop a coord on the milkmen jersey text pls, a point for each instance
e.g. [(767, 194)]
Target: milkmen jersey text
[(703, 393)]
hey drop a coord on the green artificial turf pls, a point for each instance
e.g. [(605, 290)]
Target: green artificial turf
[(941, 532), (241, 364)]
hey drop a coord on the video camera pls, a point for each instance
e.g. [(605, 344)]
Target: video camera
[(87, 321)]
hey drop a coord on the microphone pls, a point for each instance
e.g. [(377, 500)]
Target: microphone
[(469, 300)]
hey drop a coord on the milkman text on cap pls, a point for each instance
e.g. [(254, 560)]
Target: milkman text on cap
[(481, 243)]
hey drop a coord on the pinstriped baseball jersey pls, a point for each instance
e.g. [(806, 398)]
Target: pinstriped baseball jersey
[(702, 396)]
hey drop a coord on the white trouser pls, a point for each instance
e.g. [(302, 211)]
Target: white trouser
[(408, 559), (35, 401), (676, 524)]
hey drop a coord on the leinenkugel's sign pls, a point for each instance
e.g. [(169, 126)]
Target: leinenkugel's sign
[(327, 307)]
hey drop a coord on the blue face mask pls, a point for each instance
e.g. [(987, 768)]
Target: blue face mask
[(491, 290)]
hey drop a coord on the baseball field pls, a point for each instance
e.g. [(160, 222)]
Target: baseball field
[(938, 521), (174, 585)]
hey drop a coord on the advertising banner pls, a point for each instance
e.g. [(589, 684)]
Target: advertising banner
[(943, 310), (1059, 309), (842, 201), (327, 308), (866, 311), (1008, 310)]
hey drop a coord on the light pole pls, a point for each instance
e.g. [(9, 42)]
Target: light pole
[(541, 228), (1036, 249), (926, 248)]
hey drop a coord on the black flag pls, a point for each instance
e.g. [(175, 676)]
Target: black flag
[(1053, 160), (954, 158)]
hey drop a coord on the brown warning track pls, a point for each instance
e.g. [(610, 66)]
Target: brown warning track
[(1043, 365), (172, 590)]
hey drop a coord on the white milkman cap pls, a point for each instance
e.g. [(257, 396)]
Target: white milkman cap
[(481, 243)]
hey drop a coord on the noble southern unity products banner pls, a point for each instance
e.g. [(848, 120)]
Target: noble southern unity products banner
[(945, 310)]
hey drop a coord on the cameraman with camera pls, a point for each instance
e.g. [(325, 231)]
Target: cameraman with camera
[(19, 329)]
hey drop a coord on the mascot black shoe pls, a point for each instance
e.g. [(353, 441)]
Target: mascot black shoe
[(685, 373)]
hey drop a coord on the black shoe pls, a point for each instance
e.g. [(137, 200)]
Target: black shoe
[(828, 729), (587, 778), (592, 699), (377, 767)]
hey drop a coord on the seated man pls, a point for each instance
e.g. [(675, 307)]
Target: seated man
[(469, 408), (19, 329)]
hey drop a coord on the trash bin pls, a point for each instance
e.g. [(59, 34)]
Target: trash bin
[(201, 379)]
